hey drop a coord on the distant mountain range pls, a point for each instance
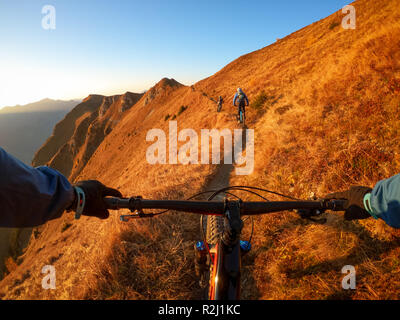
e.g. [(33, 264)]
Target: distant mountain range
[(23, 129)]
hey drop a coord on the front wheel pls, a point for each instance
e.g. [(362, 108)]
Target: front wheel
[(242, 118), (215, 229)]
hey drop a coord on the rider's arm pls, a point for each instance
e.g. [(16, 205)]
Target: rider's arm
[(247, 100), (385, 200), (234, 99), (31, 196)]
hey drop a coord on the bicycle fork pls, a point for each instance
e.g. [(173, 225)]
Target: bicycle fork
[(224, 257)]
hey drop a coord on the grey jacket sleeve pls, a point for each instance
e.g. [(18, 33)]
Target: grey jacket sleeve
[(31, 196), (385, 200)]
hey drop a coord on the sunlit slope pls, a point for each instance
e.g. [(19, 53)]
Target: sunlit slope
[(328, 120), (325, 107)]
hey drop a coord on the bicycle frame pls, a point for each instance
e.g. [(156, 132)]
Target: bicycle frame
[(242, 116)]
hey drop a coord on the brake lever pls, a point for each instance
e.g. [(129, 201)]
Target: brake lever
[(138, 214), (318, 221), (309, 214)]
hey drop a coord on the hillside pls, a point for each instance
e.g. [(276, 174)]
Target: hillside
[(324, 109)]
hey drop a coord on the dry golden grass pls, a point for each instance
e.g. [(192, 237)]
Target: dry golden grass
[(330, 119)]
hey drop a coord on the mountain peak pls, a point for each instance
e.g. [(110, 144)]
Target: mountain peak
[(163, 86), (166, 82), (92, 96)]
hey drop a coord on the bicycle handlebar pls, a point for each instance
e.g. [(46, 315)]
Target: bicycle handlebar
[(218, 207)]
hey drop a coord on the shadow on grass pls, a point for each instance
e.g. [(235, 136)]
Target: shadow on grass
[(368, 247)]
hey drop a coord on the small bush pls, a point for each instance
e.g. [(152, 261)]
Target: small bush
[(333, 25), (66, 226), (263, 101), (167, 117), (174, 117), (284, 109), (394, 86), (182, 109), (259, 101), (327, 110)]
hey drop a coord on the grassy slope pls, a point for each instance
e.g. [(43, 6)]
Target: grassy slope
[(336, 124), (330, 119)]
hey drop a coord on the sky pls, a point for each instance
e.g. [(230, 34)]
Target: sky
[(110, 47)]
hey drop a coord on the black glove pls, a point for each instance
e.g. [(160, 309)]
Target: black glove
[(354, 205), (95, 192)]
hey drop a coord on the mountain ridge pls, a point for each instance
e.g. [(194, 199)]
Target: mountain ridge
[(84, 127)]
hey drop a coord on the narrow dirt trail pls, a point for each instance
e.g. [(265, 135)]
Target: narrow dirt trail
[(220, 180)]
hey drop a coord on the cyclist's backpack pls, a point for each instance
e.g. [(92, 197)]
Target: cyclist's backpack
[(241, 98)]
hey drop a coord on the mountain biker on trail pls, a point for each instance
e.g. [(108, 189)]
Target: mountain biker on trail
[(32, 196), (242, 99)]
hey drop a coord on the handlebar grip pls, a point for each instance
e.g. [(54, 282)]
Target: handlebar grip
[(112, 203)]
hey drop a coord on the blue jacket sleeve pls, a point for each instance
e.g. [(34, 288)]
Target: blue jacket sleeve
[(385, 200), (31, 196)]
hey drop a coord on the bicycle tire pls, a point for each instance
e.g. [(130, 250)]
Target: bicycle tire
[(242, 118), (215, 229)]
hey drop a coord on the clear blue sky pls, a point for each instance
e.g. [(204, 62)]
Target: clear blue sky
[(110, 47)]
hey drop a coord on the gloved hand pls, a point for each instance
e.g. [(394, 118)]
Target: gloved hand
[(354, 205), (95, 192)]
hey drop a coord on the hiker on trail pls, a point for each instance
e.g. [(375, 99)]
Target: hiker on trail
[(31, 196), (242, 99), (220, 102)]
